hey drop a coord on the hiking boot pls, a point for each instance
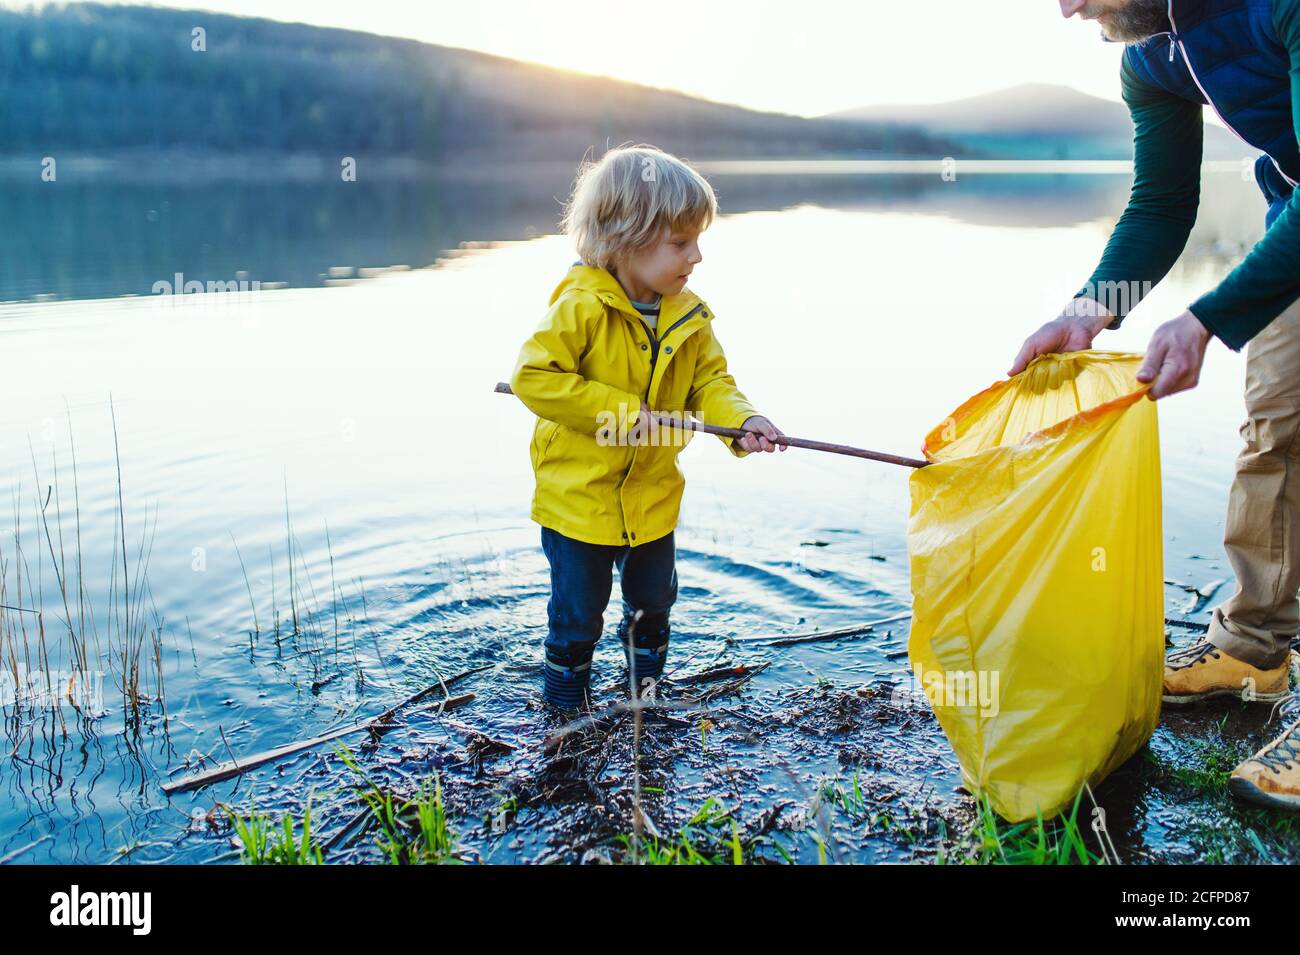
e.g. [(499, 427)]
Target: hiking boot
[(1203, 670), (1272, 776)]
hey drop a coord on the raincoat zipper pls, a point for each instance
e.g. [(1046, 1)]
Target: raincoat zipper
[(654, 355), (1176, 42), (654, 358), (654, 344)]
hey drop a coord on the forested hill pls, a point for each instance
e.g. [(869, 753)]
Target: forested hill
[(96, 79)]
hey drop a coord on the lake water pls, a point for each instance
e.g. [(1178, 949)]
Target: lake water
[(853, 308)]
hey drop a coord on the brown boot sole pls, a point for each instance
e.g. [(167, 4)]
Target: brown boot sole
[(1247, 790), (1225, 691)]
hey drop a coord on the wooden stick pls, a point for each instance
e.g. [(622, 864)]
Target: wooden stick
[(450, 703), (349, 829), (820, 637), (690, 424), (237, 767), (5, 860), (821, 634), (727, 689), (712, 676)]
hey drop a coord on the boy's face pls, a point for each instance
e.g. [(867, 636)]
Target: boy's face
[(665, 265)]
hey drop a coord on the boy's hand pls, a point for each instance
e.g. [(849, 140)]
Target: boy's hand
[(639, 433), (762, 435)]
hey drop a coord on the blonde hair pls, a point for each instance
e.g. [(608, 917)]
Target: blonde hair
[(621, 202)]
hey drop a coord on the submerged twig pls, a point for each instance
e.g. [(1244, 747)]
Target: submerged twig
[(821, 637), (727, 689), (236, 768), (712, 676), (1188, 624), (17, 852), (824, 634)]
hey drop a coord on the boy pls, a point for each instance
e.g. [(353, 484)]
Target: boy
[(623, 336)]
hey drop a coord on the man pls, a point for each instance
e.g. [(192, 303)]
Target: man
[(1241, 57)]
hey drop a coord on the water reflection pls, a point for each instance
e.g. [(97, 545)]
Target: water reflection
[(87, 236)]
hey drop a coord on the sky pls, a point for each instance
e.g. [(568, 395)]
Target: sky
[(806, 57)]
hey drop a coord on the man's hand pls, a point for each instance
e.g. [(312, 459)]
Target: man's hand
[(762, 435), (1073, 330), (1175, 356)]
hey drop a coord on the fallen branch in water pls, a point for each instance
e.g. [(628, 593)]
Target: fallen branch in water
[(704, 676), (1188, 624), (4, 860), (1200, 596), (356, 825), (727, 689), (711, 676), (450, 703), (376, 724), (819, 635), (472, 735), (767, 819)]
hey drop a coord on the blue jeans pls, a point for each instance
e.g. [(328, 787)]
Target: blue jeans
[(581, 579)]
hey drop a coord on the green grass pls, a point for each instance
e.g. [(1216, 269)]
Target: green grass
[(913, 828), (435, 840), (710, 837), (1208, 765), (1234, 832), (1219, 827), (993, 841), (852, 802), (410, 832), (264, 843)]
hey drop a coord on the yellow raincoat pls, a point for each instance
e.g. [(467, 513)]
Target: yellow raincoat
[(586, 372)]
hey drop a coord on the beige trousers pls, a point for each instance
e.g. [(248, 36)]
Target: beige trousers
[(1262, 531)]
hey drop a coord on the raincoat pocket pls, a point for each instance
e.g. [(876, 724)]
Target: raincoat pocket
[(1036, 560), (543, 434)]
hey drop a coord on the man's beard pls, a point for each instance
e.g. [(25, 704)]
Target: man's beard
[(1137, 20)]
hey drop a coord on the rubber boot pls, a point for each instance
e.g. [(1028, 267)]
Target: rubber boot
[(645, 648), (567, 677)]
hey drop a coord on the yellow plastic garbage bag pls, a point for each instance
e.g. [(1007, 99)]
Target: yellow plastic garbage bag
[(1036, 557)]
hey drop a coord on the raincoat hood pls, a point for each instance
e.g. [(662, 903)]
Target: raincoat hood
[(602, 284)]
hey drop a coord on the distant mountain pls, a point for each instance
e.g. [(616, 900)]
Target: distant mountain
[(1037, 121), (92, 78)]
